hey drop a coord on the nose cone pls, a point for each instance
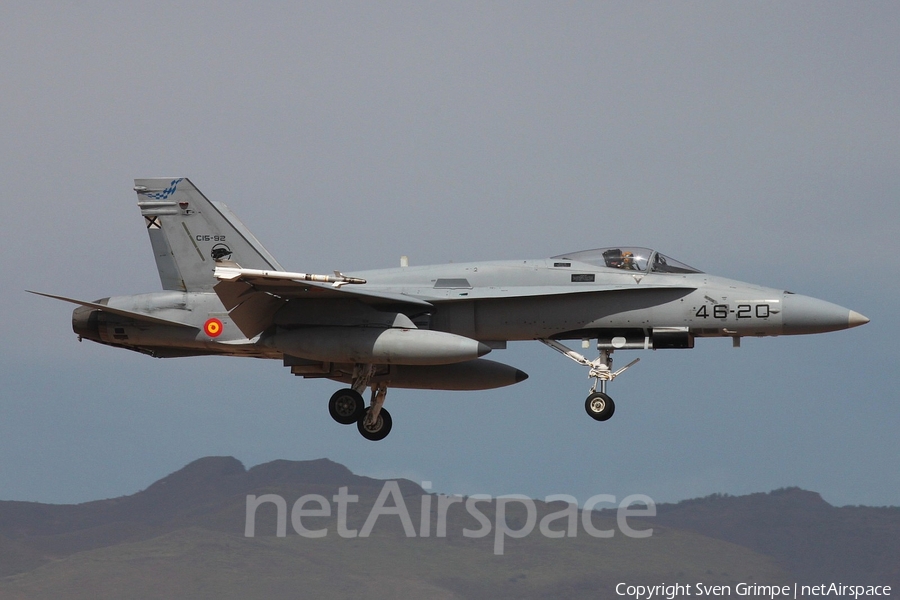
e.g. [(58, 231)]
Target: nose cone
[(802, 314)]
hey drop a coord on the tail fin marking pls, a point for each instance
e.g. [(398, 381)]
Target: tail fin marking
[(189, 234)]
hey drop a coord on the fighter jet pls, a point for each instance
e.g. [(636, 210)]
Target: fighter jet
[(423, 327)]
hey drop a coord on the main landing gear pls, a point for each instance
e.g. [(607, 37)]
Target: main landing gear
[(598, 405), (347, 406)]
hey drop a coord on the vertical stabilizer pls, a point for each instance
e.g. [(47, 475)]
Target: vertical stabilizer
[(189, 234)]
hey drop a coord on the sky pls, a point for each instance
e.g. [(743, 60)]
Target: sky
[(756, 141)]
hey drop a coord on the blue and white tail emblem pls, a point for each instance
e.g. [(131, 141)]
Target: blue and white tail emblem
[(166, 192)]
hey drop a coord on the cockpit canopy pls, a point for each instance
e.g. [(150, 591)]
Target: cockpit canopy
[(642, 260)]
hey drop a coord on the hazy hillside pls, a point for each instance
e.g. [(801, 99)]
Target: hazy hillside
[(813, 540), (183, 537)]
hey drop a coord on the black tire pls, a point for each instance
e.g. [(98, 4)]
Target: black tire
[(379, 430), (599, 406), (346, 406)]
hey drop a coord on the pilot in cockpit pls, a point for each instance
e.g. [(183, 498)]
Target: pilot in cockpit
[(613, 258), (617, 259)]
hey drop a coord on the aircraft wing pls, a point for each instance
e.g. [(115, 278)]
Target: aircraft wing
[(117, 311), (290, 286), (252, 296), (290, 290)]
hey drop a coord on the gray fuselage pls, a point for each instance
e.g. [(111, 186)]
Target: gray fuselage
[(495, 302)]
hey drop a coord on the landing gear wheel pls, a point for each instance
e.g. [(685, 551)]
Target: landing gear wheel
[(599, 406), (346, 406), (377, 430)]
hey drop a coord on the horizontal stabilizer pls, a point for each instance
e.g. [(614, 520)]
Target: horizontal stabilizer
[(117, 311)]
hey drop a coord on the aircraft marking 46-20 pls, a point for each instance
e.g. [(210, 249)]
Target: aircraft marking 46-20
[(741, 311)]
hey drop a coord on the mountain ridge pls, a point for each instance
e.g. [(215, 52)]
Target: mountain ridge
[(784, 535)]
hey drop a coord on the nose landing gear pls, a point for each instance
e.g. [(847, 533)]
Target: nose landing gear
[(598, 405)]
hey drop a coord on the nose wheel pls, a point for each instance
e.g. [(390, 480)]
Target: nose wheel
[(598, 405)]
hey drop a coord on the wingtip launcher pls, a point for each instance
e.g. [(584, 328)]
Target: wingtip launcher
[(230, 273)]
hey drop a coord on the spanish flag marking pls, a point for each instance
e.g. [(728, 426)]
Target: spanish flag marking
[(213, 327)]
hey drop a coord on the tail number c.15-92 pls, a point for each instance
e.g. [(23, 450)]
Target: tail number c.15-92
[(742, 311)]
